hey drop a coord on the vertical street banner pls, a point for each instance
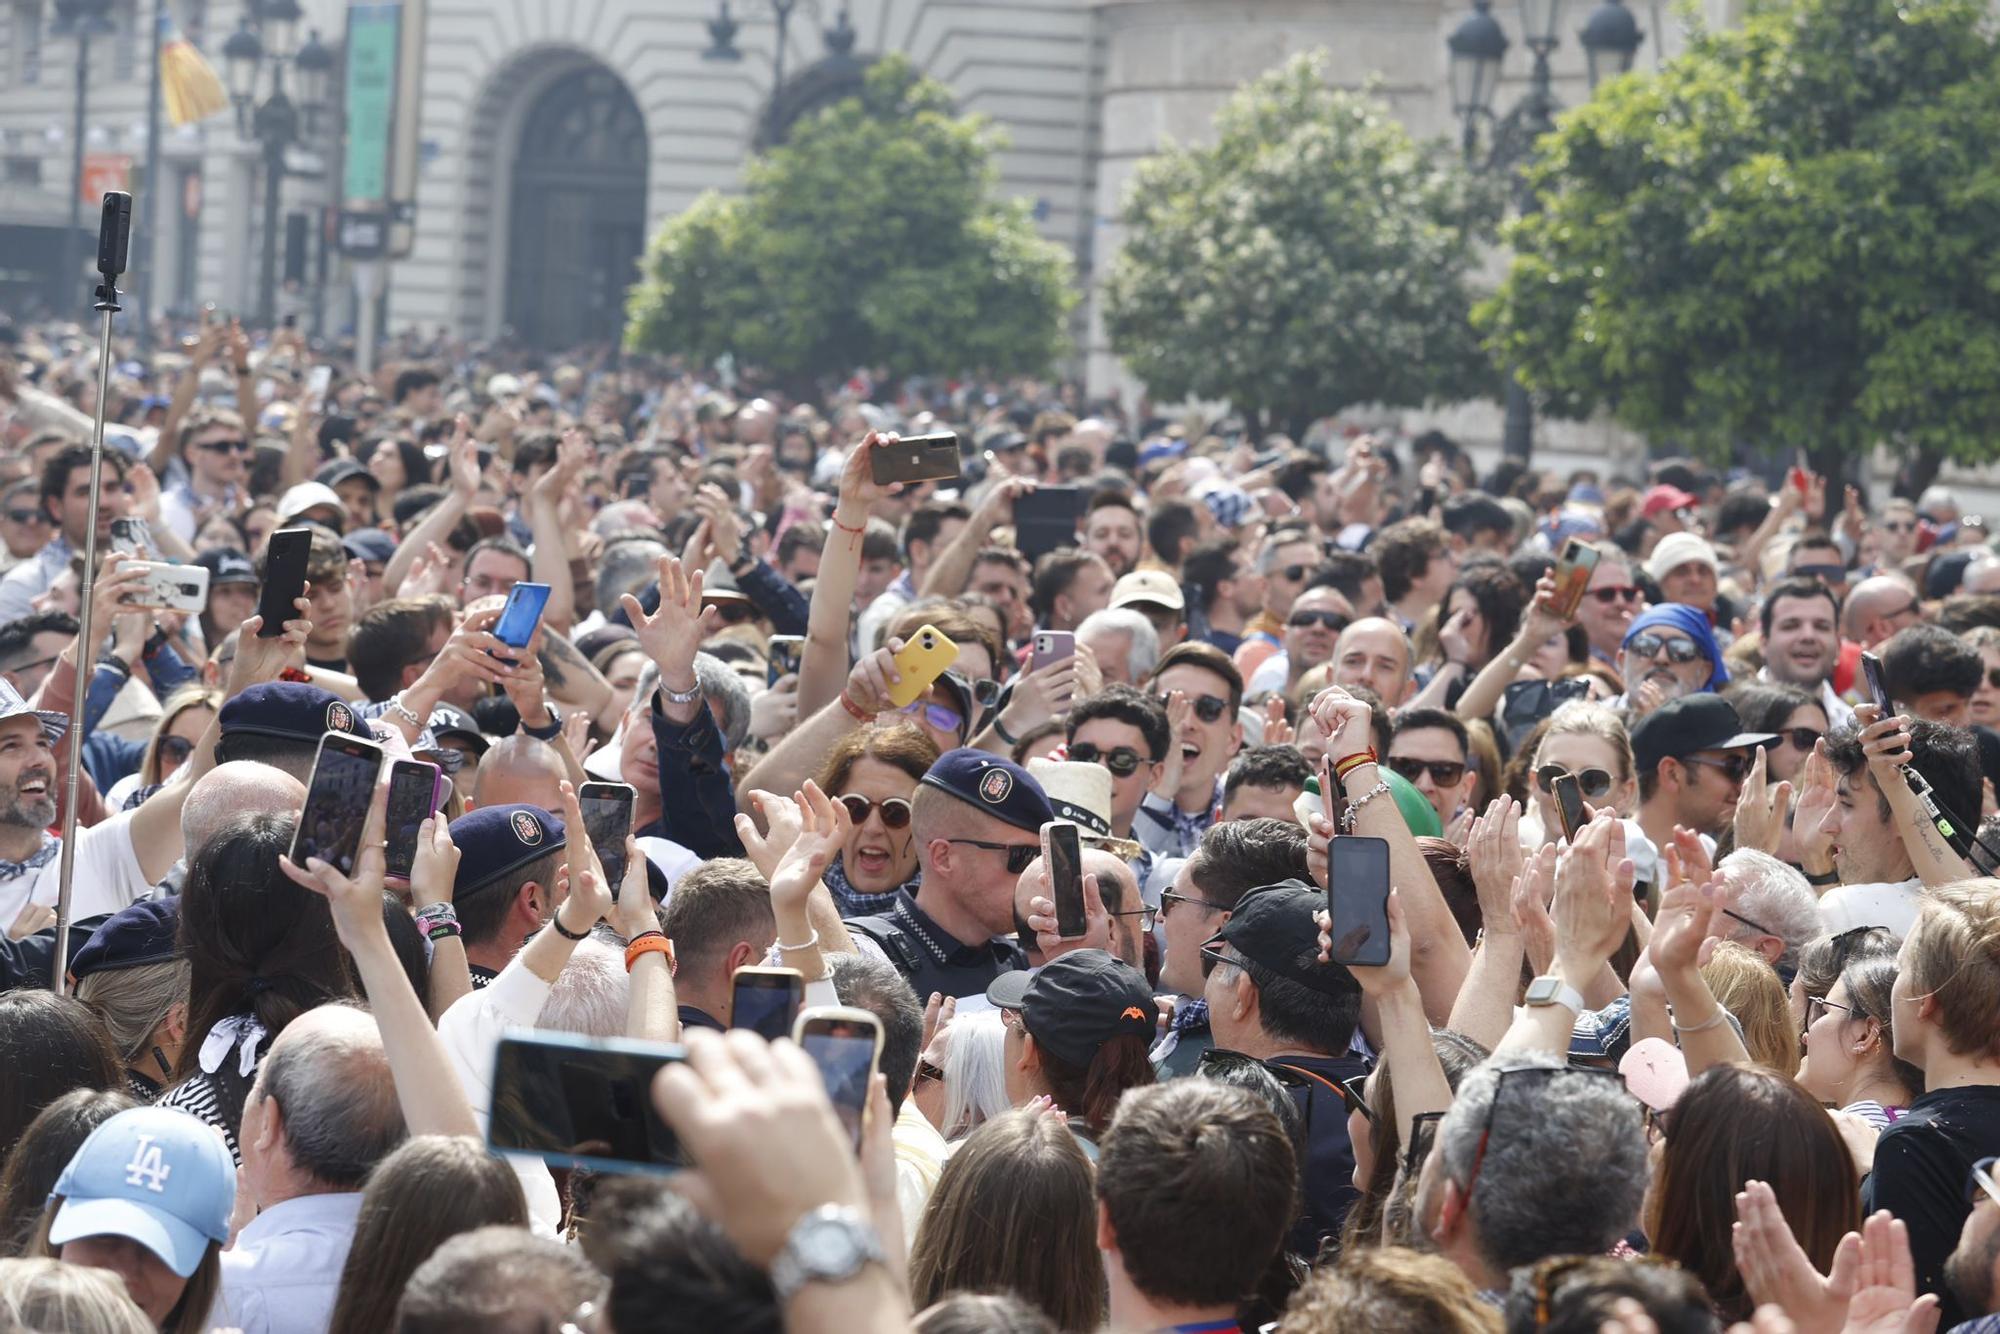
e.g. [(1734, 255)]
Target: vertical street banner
[(374, 42)]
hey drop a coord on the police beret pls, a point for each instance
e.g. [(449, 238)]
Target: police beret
[(291, 710), (994, 784), (139, 934), (494, 841)]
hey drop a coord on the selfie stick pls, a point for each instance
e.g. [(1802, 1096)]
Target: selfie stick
[(114, 233)]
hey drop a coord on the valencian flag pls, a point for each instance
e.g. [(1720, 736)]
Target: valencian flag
[(188, 83)]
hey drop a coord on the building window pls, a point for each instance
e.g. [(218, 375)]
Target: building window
[(28, 41), (124, 40), (25, 171)]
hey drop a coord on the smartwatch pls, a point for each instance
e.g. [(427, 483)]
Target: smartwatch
[(1549, 989)]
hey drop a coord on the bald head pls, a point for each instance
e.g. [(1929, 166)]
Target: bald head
[(1374, 652), (520, 769), (237, 788), (326, 1080), (1877, 608)]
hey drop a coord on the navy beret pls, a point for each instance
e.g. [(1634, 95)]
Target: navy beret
[(291, 710), (138, 934), (494, 841), (994, 784)]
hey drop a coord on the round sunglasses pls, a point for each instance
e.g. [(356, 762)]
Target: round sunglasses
[(1593, 783), (895, 810), (1122, 761), (1208, 708)]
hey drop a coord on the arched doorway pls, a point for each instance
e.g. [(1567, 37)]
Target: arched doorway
[(577, 216)]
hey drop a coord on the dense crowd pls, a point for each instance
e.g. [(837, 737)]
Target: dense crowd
[(1682, 1014)]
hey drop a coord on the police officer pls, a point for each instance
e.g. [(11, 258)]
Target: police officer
[(505, 889), (977, 819)]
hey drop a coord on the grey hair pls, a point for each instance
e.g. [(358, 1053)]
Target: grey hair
[(975, 1073), (43, 1293), (1564, 1171), (1144, 654), (338, 1099), (134, 1001), (592, 993), (724, 687), (1773, 895), (626, 567)]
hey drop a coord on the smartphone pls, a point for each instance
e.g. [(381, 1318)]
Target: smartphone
[(787, 651), (916, 458), (171, 587), (337, 797), (1799, 481), (845, 1044), (766, 1000), (607, 819), (1357, 899), (317, 384), (521, 615), (284, 579), (1332, 795), (1878, 684), (923, 660), (1573, 570), (415, 788), (1064, 854), (131, 536), (576, 1101), (1046, 518), (1051, 646), (1569, 805)]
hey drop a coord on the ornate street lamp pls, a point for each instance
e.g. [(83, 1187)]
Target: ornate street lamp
[(1611, 39), (83, 20), (722, 29), (1477, 46)]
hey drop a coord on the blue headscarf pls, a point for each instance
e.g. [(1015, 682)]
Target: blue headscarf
[(1691, 621)]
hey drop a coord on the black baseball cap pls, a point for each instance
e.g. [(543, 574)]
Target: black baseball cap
[(1076, 1003), (346, 470), (227, 566), (1692, 723), (1273, 927)]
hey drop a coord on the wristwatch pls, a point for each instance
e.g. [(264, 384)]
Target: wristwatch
[(829, 1245), (548, 731), (1552, 990), (680, 697)]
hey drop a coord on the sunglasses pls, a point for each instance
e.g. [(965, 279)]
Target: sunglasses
[(1817, 1006), (1291, 574), (1899, 526), (1211, 956), (895, 811), (1331, 620), (174, 749), (1992, 674), (1805, 738), (1019, 855), (734, 612), (1735, 767), (1826, 574), (1122, 761), (1623, 593), (1208, 708), (25, 516), (928, 1071), (1649, 646), (1445, 773), (1593, 783), (225, 446), (941, 716), (986, 692), (1168, 899)]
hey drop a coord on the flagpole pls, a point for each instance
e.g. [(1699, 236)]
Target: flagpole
[(149, 201)]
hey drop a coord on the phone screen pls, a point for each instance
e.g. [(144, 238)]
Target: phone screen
[(413, 790), (1569, 804), (1573, 571), (844, 1051), (1357, 898), (1046, 518), (607, 819), (1065, 857), (1878, 684), (343, 782), (582, 1102), (766, 1001), (284, 579), (786, 653), (521, 615)]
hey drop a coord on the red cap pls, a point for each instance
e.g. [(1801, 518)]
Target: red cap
[(1664, 497)]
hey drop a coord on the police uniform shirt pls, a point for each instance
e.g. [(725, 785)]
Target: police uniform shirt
[(932, 961)]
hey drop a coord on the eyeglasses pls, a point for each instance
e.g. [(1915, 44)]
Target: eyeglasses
[(986, 692), (1354, 1095), (1992, 674), (1208, 708), (1817, 1006), (926, 1070), (1331, 620), (1146, 917), (1805, 738), (1979, 1181), (26, 516), (174, 749), (1168, 899), (941, 716), (1649, 646), (1520, 1074), (1899, 525), (895, 810), (1423, 1131), (1122, 761), (1758, 927), (1593, 783), (1621, 593), (225, 446), (1445, 773), (1019, 855), (1736, 767), (1211, 956)]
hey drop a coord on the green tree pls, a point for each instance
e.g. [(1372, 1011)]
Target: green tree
[(1314, 256), (1785, 238), (873, 236)]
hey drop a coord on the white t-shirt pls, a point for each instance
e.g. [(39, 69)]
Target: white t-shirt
[(107, 875)]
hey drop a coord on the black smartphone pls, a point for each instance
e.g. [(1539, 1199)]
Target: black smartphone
[(787, 652), (916, 458), (607, 819), (845, 1044), (336, 805), (284, 579), (1046, 518), (1332, 793), (578, 1101), (1569, 805), (1573, 570), (1063, 853), (766, 1000), (1357, 899), (414, 790), (1878, 685)]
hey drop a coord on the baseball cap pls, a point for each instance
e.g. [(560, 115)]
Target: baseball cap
[(369, 544), (227, 566), (988, 782), (346, 470), (450, 720), (501, 839), (13, 706), (1677, 549), (1689, 724), (1663, 497), (1076, 1003), (1154, 588), (1655, 1072), (307, 496), (290, 710), (1273, 927), (157, 1176), (140, 933)]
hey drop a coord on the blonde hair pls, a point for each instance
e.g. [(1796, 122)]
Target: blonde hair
[(1584, 718), (190, 696), (40, 1293), (133, 1002), (1955, 957), (1748, 987), (1390, 1287)]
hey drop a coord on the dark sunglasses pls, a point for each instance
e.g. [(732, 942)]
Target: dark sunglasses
[(1607, 596), (225, 446), (1735, 767), (733, 612), (1593, 783), (1826, 574), (1168, 899), (1019, 855), (986, 692), (174, 749), (1805, 738), (1899, 525), (1331, 620), (1992, 675), (1445, 773), (895, 811), (1291, 574), (1649, 646), (27, 516), (1423, 1131), (1211, 956), (1122, 761), (1208, 708), (927, 1071)]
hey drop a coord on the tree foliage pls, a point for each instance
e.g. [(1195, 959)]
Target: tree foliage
[(1313, 257), (1784, 238), (873, 236)]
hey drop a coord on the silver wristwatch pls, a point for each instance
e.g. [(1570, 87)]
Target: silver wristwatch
[(681, 697), (829, 1245)]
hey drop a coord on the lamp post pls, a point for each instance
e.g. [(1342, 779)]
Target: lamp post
[(83, 20), (264, 39), (1610, 40), (722, 30)]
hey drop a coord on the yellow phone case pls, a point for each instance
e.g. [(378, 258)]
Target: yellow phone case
[(923, 660)]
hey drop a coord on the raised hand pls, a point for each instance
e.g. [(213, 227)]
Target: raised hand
[(434, 873), (1180, 719), (824, 825), (1681, 928), (1529, 908), (1278, 730), (673, 633), (464, 459), (258, 660), (1042, 919), (1346, 721), (589, 895), (1494, 856), (1776, 1269), (1818, 795), (1375, 981), (633, 911), (871, 679), (785, 822), (1761, 807)]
